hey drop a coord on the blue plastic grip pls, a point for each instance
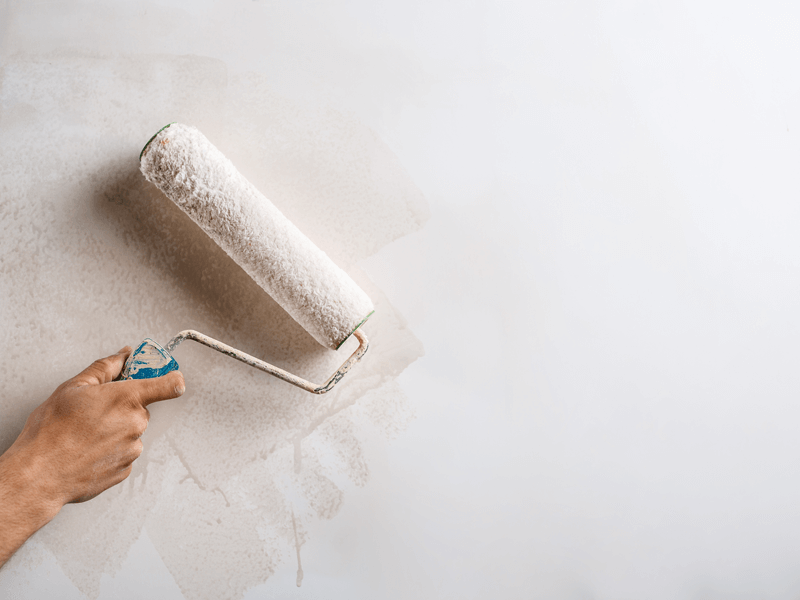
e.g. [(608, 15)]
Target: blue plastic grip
[(149, 360)]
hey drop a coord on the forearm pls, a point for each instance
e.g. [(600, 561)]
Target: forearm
[(24, 504), (82, 440)]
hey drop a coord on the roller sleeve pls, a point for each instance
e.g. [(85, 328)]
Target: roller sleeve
[(197, 177)]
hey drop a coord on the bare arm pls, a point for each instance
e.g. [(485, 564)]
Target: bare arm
[(79, 442)]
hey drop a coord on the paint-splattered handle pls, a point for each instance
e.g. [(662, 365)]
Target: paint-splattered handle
[(149, 360)]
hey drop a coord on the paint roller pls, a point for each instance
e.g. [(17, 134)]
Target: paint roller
[(300, 277)]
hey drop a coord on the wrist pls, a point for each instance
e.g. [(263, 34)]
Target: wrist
[(23, 508), (25, 490)]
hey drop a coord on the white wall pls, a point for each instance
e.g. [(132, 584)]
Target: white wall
[(579, 223)]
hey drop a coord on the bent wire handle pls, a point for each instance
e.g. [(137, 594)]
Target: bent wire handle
[(363, 346)]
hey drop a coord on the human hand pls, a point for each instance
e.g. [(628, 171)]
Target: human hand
[(81, 441)]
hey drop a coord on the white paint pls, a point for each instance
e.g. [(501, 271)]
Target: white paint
[(118, 260), (300, 277), (613, 193)]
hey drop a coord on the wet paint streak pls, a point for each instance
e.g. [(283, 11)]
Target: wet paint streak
[(297, 547)]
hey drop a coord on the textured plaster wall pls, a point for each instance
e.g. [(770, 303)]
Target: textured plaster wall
[(94, 256), (605, 289)]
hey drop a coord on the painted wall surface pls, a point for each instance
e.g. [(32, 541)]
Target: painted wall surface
[(578, 222)]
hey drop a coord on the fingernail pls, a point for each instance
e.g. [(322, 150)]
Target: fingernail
[(123, 350), (179, 389)]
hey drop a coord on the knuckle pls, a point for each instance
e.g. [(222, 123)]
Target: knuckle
[(101, 364), (140, 426), (138, 448), (123, 474), (131, 452)]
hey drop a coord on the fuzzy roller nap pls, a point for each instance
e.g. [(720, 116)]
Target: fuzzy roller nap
[(319, 295)]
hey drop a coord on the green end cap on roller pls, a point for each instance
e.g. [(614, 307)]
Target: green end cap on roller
[(141, 154), (364, 320)]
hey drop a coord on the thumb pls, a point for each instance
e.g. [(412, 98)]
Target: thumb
[(147, 391), (103, 370)]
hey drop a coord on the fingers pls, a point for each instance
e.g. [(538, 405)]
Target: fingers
[(147, 391), (136, 451), (103, 370), (119, 477)]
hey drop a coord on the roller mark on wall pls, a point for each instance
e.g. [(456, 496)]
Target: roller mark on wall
[(234, 469)]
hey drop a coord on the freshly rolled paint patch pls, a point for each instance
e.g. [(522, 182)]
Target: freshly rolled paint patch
[(149, 360), (289, 453)]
